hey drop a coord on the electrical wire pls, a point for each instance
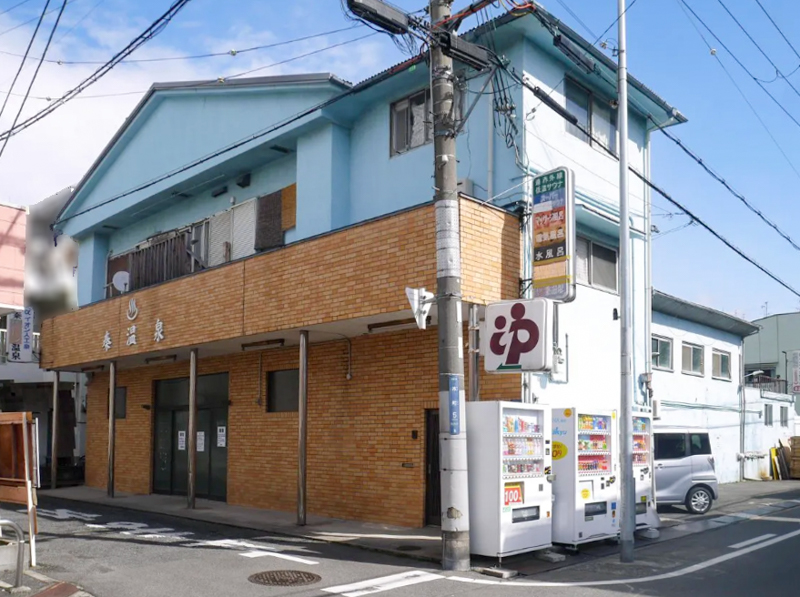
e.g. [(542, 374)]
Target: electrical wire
[(29, 21), (676, 229), (760, 49), (577, 18), (35, 72), (699, 221), (771, 20), (149, 33), (18, 4), (79, 21), (739, 89), (22, 62)]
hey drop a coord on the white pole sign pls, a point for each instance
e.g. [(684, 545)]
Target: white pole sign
[(517, 336), (19, 341), (796, 372)]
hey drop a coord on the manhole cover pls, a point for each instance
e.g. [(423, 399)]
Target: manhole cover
[(408, 548), (285, 578)]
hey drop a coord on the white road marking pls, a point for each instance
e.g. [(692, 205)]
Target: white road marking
[(667, 575), (274, 554), (767, 518), (752, 541), (385, 583)]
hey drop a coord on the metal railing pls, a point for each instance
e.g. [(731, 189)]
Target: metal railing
[(767, 384), (20, 549), (4, 354)]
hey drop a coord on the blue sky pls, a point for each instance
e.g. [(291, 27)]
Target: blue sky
[(665, 52)]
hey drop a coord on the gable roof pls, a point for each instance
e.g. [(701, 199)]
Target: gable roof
[(682, 309)]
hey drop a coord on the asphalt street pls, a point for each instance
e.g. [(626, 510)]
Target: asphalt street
[(113, 552)]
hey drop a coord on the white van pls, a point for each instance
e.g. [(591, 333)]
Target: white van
[(684, 468)]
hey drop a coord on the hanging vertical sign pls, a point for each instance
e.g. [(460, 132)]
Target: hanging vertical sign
[(19, 339), (553, 235), (796, 372), (454, 400)]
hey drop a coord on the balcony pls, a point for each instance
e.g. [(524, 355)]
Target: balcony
[(767, 384)]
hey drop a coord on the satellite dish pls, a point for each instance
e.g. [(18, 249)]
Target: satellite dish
[(121, 281)]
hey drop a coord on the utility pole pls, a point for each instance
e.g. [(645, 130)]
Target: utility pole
[(452, 426), (627, 499)]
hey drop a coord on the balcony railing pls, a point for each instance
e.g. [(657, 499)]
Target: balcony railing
[(767, 384), (4, 354)]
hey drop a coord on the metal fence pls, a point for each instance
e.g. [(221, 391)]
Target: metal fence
[(767, 384)]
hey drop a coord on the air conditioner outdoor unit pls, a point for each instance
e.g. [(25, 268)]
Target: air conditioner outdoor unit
[(656, 408)]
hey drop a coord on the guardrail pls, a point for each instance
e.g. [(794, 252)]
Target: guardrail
[(20, 549), (767, 384)]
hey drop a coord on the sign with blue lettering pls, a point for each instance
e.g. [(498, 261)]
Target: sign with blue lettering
[(454, 399)]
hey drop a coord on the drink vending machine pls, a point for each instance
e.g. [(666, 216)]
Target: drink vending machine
[(643, 468), (510, 498), (585, 486)]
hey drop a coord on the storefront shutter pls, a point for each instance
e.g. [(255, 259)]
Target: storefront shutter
[(244, 229)]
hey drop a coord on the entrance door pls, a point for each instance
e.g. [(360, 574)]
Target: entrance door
[(433, 481), (171, 441)]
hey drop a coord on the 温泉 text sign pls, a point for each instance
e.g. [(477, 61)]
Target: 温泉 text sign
[(516, 336), (554, 235), (796, 372), (19, 341)]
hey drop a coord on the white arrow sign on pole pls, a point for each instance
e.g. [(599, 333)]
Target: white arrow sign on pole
[(421, 301)]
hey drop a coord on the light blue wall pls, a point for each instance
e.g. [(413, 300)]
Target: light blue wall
[(182, 212), (92, 255)]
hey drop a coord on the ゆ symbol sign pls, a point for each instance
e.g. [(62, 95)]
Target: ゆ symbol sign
[(517, 346)]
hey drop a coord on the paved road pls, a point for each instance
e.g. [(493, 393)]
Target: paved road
[(116, 553)]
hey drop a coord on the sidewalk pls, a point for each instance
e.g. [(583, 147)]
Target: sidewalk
[(422, 544)]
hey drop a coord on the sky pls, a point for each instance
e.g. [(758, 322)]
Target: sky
[(665, 51)]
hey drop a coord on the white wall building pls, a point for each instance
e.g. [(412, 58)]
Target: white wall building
[(698, 380)]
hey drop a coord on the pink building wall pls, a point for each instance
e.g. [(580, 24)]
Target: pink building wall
[(12, 256)]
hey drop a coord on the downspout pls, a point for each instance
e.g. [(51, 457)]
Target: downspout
[(742, 413), (490, 149), (648, 276)]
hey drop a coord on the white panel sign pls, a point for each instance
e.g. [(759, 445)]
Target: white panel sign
[(201, 441), (19, 341), (796, 372), (221, 436), (516, 336), (181, 440)]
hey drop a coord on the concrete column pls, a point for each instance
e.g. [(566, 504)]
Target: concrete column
[(54, 435), (302, 408), (112, 394), (192, 432)]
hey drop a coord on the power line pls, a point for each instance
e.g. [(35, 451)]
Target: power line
[(663, 193), (29, 21), (739, 62), (760, 49), (771, 20), (79, 21), (149, 33), (577, 18), (739, 89), (22, 62), (18, 4), (230, 53), (36, 72)]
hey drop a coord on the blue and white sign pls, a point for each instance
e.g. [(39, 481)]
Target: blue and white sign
[(19, 339), (454, 400)]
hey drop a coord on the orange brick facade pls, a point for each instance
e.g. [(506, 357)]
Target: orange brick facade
[(363, 462)]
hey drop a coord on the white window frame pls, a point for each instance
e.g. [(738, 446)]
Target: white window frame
[(784, 416), (768, 415), (665, 340), (686, 371), (457, 111), (720, 353), (593, 99), (590, 281)]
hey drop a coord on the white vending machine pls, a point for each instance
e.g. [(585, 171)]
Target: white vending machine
[(643, 469), (510, 498), (586, 486)]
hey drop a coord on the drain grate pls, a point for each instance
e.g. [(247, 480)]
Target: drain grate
[(284, 578)]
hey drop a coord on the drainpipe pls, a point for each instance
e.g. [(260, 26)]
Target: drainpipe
[(302, 408), (742, 414), (112, 387), (54, 435), (192, 432), (490, 152), (648, 298)]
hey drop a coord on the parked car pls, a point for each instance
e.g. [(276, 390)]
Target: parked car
[(684, 468)]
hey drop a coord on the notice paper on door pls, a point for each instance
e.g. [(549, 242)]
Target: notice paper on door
[(181, 440), (201, 441), (221, 436)]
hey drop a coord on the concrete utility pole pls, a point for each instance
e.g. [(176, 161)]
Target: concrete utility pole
[(54, 435), (452, 426), (112, 411), (627, 500)]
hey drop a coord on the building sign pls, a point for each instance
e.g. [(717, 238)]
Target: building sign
[(131, 331), (554, 235), (159, 335), (454, 401), (107, 341), (221, 436), (796, 372), (516, 336), (181, 441), (19, 339), (133, 310), (131, 336), (201, 441)]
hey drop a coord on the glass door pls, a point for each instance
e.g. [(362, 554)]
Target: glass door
[(594, 445)]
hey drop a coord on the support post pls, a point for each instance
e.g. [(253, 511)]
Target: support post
[(474, 354), (302, 424), (112, 394), (54, 435), (453, 431), (628, 492), (192, 431)]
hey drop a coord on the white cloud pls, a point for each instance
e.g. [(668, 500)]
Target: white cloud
[(57, 151)]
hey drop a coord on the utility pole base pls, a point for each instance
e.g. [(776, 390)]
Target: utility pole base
[(455, 551), (626, 553)]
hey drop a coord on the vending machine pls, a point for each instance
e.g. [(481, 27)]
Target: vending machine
[(510, 498), (643, 469), (586, 486)]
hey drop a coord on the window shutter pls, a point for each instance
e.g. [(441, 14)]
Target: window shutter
[(289, 207), (244, 230), (219, 234), (268, 222)]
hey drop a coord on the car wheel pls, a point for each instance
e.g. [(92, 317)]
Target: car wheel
[(699, 500)]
